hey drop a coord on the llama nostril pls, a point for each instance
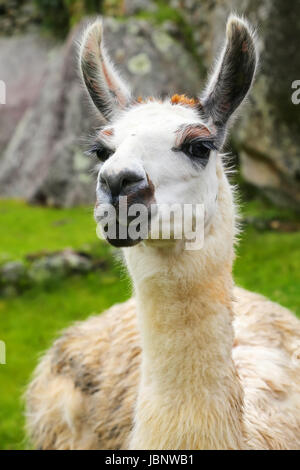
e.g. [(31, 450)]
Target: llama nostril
[(121, 183), (128, 183), (124, 183)]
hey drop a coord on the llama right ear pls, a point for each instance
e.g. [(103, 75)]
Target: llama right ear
[(106, 89), (233, 74)]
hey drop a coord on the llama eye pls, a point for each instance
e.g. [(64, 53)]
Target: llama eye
[(102, 153), (199, 150)]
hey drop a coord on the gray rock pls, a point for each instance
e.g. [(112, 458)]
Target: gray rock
[(58, 266), (38, 164), (77, 263), (148, 57), (44, 160), (267, 135), (132, 7), (12, 272), (23, 63), (39, 272), (46, 268)]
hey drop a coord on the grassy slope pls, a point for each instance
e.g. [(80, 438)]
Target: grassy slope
[(28, 326), (30, 229), (267, 262), (29, 323)]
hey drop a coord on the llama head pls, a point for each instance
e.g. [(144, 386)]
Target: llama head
[(160, 153)]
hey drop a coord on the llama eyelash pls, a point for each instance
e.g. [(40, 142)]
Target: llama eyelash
[(207, 142), (91, 151), (198, 150), (101, 152)]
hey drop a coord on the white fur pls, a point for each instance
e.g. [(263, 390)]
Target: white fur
[(143, 140)]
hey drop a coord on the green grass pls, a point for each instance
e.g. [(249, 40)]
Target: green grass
[(267, 262), (262, 209), (26, 229), (29, 324)]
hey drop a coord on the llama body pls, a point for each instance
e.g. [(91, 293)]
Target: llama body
[(191, 362), (85, 388)]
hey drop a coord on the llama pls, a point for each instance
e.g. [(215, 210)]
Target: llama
[(191, 361)]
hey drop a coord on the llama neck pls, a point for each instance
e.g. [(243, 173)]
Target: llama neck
[(190, 396)]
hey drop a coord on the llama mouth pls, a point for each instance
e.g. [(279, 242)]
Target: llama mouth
[(122, 238), (121, 229)]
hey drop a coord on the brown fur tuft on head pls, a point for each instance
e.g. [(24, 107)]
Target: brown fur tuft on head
[(185, 100), (175, 99)]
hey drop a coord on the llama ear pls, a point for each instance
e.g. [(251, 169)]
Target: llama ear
[(105, 87), (233, 74)]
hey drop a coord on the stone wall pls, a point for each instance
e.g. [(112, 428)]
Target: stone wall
[(46, 268), (170, 49), (267, 135), (44, 160), (17, 16)]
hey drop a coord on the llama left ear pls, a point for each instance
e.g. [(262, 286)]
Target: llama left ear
[(106, 89), (233, 74)]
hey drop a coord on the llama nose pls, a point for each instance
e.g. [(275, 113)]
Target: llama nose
[(121, 183)]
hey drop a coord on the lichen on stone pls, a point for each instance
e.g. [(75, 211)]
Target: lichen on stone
[(139, 64)]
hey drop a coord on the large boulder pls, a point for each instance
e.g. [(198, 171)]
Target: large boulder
[(44, 160), (267, 135), (23, 62)]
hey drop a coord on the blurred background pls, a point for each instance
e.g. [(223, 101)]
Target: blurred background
[(53, 268)]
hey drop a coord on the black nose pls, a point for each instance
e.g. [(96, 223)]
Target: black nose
[(121, 183)]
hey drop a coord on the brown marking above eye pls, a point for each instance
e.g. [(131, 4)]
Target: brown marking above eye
[(107, 132), (103, 141), (105, 135), (190, 132)]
